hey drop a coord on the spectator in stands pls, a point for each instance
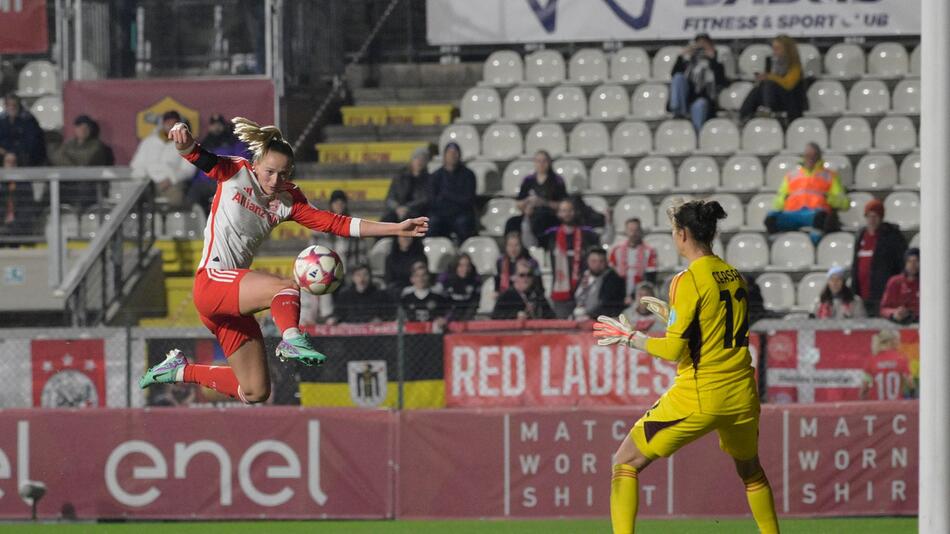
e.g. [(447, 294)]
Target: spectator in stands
[(352, 250), (600, 290), (505, 267), (538, 199), (85, 149), (588, 216), (409, 191), (640, 317), (524, 299), (633, 259), (405, 252), (837, 301), (419, 301), (782, 87), (566, 244), (878, 255), (157, 158), (808, 197), (901, 302), (17, 207), (221, 141), (697, 78), (452, 197), (21, 134), (462, 287), (360, 301)]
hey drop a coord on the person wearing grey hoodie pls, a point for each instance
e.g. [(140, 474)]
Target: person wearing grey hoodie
[(452, 197)]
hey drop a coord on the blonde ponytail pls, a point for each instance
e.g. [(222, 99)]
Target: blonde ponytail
[(261, 139)]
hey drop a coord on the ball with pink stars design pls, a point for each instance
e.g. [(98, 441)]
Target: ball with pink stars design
[(318, 270)]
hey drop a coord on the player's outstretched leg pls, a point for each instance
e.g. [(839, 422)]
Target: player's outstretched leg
[(176, 369), (759, 493), (260, 291), (625, 487)]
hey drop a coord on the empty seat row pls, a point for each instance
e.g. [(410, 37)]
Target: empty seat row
[(780, 293), (866, 97), (439, 252), (633, 64)]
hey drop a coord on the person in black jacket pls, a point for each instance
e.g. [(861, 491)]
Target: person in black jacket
[(404, 253), (21, 134), (878, 255), (452, 197), (601, 290), (697, 77), (462, 287), (409, 191), (419, 301), (525, 298), (361, 301)]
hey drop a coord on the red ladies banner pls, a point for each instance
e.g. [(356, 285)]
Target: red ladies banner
[(23, 28), (544, 369)]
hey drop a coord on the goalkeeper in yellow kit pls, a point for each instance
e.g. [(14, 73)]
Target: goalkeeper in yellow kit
[(707, 334)]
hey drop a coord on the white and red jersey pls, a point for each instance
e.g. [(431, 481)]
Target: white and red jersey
[(632, 263), (887, 375), (242, 216)]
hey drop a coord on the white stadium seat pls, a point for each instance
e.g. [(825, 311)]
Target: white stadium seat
[(804, 130), (667, 258), (742, 173), (851, 135), (835, 249), (631, 138), (842, 165), (589, 139), (762, 136), (486, 172), (792, 251), (875, 171), (662, 220), (48, 111), (503, 68), (731, 98), (903, 208), (524, 104), (466, 136), (38, 78), (497, 212), (609, 176), (752, 60), (888, 60), (778, 291), (915, 61), (895, 134), (649, 101), (378, 254), (915, 241), (719, 136), (574, 173), (544, 67), (747, 252), (487, 300), (910, 171), (777, 168), (596, 203), (809, 289), (566, 103), (484, 252), (608, 103), (480, 105), (697, 173), (674, 137), (906, 97), (588, 66), (734, 211), (439, 253), (869, 97), (663, 62), (630, 206), (755, 211), (845, 60), (853, 217), (811, 59), (727, 59), (827, 97), (502, 141), (514, 174), (629, 65), (546, 136), (653, 174)]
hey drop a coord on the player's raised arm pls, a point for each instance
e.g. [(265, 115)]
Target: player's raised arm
[(216, 167), (343, 225)]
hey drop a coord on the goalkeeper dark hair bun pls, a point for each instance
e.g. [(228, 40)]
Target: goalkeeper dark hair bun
[(700, 217)]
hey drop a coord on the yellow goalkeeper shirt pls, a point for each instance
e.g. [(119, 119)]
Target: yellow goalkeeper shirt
[(708, 335)]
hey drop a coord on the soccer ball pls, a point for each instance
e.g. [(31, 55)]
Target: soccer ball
[(318, 270)]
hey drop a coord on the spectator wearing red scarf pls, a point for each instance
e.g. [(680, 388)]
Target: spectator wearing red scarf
[(901, 302), (566, 244)]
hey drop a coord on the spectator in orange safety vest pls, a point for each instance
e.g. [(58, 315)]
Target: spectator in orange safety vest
[(808, 198)]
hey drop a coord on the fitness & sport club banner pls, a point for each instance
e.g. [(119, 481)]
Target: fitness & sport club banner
[(544, 369), (459, 22), (129, 110), (23, 28)]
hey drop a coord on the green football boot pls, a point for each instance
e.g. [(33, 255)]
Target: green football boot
[(299, 348), (165, 372)]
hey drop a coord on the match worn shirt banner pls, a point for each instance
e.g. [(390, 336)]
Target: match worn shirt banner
[(23, 28), (459, 22)]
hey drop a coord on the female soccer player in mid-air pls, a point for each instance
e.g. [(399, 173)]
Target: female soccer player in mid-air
[(708, 335), (251, 199)]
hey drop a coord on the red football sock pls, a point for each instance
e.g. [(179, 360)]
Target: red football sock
[(285, 309), (217, 377)]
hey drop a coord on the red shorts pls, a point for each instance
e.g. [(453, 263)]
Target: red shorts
[(216, 293)]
